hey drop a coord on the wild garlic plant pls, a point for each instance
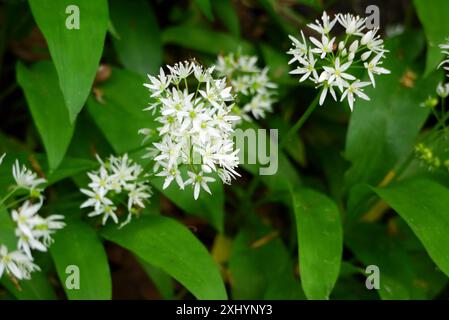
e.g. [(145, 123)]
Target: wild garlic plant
[(118, 185), (253, 89), (33, 231), (433, 152), (333, 63), (194, 140)]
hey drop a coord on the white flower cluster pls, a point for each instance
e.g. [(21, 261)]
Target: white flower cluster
[(119, 182), (443, 88), (330, 63), (33, 231), (253, 89), (195, 136)]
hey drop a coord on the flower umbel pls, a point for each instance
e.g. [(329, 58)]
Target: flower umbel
[(251, 85), (118, 184), (195, 136), (331, 63)]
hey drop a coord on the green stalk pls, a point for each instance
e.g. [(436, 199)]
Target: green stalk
[(298, 125)]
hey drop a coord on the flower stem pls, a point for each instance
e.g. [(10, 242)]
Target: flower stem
[(2, 201), (441, 123), (298, 125)]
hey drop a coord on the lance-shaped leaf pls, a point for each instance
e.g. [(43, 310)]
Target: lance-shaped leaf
[(45, 100), (171, 247), (75, 33)]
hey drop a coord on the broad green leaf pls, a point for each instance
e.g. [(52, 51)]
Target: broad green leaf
[(226, 12), (45, 100), (78, 245), (382, 131), (261, 272), (278, 172), (320, 242), (171, 247), (75, 48), (203, 40), (423, 204), (37, 288), (121, 114), (139, 46), (404, 273), (208, 207), (161, 280), (124, 98), (433, 17), (206, 8)]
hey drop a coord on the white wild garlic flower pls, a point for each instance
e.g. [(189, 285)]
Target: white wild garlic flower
[(194, 141), (27, 179), (16, 264), (118, 184), (33, 231), (332, 64), (251, 85)]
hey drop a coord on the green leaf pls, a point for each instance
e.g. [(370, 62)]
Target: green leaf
[(121, 114), (285, 173), (404, 273), (203, 40), (208, 207), (171, 247), (205, 7), (139, 46), (226, 12), (37, 288), (434, 20), (423, 204), (382, 131), (75, 52), (320, 242), (262, 272), (79, 245), (161, 280), (45, 100)]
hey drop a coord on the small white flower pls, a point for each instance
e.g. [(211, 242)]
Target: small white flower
[(325, 27), (354, 89), (443, 90), (16, 264), (299, 48), (324, 47), (307, 69), (337, 73), (158, 84), (34, 232), (353, 24), (373, 68), (25, 178), (198, 181)]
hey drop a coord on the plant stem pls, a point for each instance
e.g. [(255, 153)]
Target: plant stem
[(300, 121), (406, 163), (9, 195)]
